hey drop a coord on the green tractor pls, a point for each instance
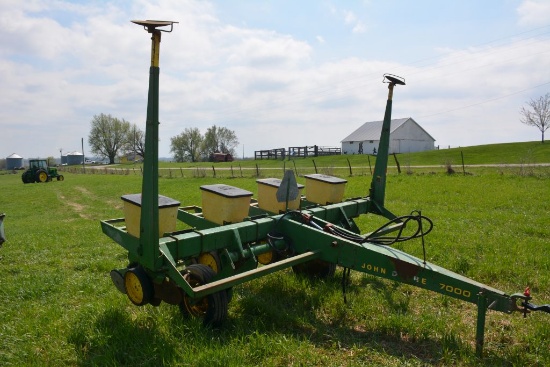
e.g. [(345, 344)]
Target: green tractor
[(40, 172)]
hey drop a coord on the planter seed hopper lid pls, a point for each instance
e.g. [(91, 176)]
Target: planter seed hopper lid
[(274, 182), (164, 202), (326, 178), (226, 190)]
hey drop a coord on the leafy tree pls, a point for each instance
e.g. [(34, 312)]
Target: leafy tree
[(219, 140), (537, 113), (187, 145), (108, 136)]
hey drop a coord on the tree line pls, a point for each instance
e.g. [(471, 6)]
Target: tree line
[(111, 137), (191, 146)]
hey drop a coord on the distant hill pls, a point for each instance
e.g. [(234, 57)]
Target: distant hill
[(506, 153)]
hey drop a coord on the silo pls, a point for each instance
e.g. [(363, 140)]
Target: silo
[(14, 161), (75, 158)]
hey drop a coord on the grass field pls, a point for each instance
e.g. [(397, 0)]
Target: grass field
[(59, 306)]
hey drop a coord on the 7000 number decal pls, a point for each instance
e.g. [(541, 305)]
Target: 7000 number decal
[(455, 290)]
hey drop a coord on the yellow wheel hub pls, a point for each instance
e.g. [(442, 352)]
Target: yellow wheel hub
[(266, 258), (195, 308), (211, 260), (139, 288)]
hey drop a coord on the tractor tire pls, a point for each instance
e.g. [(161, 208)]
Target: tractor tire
[(212, 308), (41, 176), (60, 178)]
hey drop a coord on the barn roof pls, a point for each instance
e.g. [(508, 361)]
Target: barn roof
[(371, 130)]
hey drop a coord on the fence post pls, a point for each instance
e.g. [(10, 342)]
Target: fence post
[(181, 170), (463, 169), (349, 165), (214, 170), (397, 163), (370, 167), (314, 165), (257, 171)]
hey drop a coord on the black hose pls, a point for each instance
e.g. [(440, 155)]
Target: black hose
[(405, 219), (415, 216), (273, 235)]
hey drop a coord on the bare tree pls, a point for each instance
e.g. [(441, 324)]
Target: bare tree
[(537, 113), (135, 142)]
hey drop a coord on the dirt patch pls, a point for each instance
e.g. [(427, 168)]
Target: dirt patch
[(76, 207), (83, 190)]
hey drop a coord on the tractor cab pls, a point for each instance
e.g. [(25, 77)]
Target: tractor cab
[(38, 163)]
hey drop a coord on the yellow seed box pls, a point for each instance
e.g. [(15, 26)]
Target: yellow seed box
[(323, 189), (267, 196), (168, 212), (223, 204)]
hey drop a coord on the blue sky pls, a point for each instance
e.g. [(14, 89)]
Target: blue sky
[(278, 73)]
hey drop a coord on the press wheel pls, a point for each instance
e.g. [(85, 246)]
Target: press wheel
[(139, 287), (212, 308)]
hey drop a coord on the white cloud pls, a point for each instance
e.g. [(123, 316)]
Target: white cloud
[(359, 28), (267, 86), (349, 17), (534, 12)]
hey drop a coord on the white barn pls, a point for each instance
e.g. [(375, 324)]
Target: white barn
[(406, 136)]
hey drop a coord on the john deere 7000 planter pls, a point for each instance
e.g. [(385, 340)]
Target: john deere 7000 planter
[(232, 241)]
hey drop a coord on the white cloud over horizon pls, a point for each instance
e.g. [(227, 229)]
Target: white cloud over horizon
[(274, 84)]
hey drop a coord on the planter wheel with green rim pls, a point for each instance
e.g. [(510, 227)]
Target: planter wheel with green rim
[(212, 308)]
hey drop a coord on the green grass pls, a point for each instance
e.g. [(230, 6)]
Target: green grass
[(59, 306)]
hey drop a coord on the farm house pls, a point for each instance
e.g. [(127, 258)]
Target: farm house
[(406, 136)]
